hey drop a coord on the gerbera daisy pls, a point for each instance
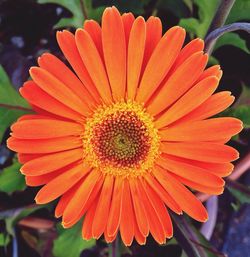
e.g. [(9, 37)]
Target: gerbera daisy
[(124, 136)]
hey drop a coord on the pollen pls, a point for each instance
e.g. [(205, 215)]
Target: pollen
[(121, 140)]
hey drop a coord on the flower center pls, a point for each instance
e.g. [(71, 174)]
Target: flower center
[(121, 140)]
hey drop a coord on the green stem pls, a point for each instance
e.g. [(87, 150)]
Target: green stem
[(219, 20), (114, 250), (214, 35), (84, 10), (221, 14)]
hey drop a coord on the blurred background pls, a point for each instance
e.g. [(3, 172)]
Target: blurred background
[(27, 29)]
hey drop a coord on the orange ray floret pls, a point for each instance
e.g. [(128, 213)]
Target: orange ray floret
[(122, 137)]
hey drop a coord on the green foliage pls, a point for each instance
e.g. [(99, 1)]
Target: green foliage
[(241, 112), (241, 108), (9, 97), (11, 217), (199, 26), (239, 191), (70, 243), (191, 240), (239, 12), (83, 9), (4, 239), (206, 10), (76, 8), (11, 179), (232, 39)]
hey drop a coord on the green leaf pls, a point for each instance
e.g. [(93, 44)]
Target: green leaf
[(239, 12), (11, 179), (4, 239), (70, 243), (244, 98), (232, 39), (239, 191), (76, 8), (241, 112), (182, 236), (206, 11), (212, 61), (191, 240), (9, 97), (12, 216)]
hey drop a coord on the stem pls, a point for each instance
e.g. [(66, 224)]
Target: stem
[(15, 107), (14, 245), (214, 35), (207, 228), (114, 248), (84, 10), (219, 20), (221, 14)]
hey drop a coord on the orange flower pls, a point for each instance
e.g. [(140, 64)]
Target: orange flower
[(121, 138)]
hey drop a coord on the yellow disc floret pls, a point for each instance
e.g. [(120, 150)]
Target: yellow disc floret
[(121, 140)]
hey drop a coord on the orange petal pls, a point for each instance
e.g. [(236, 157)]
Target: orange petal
[(25, 157), (92, 198), (109, 239), (153, 36), (190, 172), (201, 130), (139, 208), (65, 199), (114, 48), (57, 186), (66, 41), (30, 91), (135, 55), (88, 222), (58, 69), (140, 238), (44, 145), (179, 83), (188, 202), (194, 46), (103, 208), (57, 89), (45, 128), (127, 216), (219, 169), (202, 151), (199, 187), (51, 162), (155, 225), (115, 209), (213, 105), (43, 179), (163, 194), (94, 64), (160, 209), (128, 20), (81, 196), (188, 102), (211, 71), (95, 31), (160, 62)]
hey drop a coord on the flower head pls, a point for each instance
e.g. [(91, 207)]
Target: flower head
[(122, 137)]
